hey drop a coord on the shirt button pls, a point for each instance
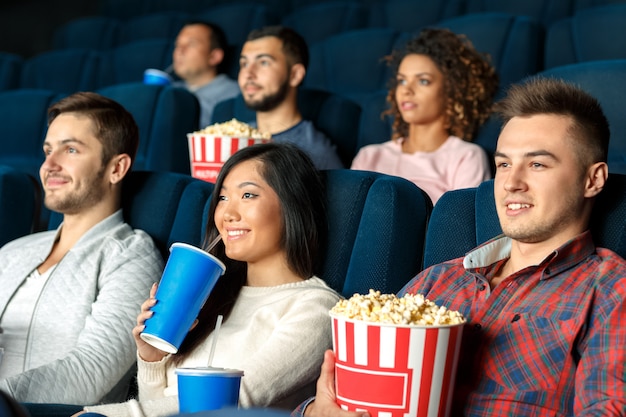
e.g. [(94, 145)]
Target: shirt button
[(482, 287), (477, 326)]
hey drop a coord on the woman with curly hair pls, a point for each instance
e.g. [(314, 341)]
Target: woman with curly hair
[(442, 92)]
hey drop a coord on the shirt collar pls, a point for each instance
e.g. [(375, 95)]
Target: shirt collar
[(499, 248)]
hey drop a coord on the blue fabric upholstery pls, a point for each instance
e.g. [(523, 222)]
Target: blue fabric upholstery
[(463, 219), (514, 43), (591, 34), (373, 126), (164, 115), (20, 200), (23, 125), (410, 15), (351, 64), (63, 71), (163, 25), (338, 16), (237, 19), (377, 225), (92, 32), (544, 11), (332, 114), (11, 408), (127, 63), (10, 70), (606, 81), (161, 204)]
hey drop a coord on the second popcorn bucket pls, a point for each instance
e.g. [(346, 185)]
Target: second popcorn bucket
[(395, 370), (211, 147)]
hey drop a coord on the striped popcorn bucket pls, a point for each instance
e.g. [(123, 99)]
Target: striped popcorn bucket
[(395, 370), (207, 153)]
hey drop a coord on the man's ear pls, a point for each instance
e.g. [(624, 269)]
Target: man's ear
[(297, 75), (596, 179), (119, 167), (216, 56)]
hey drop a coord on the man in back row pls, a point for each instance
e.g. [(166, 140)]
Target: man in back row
[(546, 309), (272, 65), (198, 58), (69, 296)]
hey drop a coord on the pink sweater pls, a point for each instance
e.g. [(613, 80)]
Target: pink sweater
[(456, 164)]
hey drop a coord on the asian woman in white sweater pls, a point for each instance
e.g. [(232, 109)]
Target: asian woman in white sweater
[(268, 207)]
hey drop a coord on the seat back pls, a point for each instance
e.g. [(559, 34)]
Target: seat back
[(164, 115), (126, 63), (338, 17), (337, 117), (591, 34), (544, 11), (91, 32), (410, 15), (514, 43), (64, 71), (463, 219), (10, 70), (606, 81), (377, 225), (20, 199), (351, 64), (23, 125), (163, 25), (166, 205), (373, 126), (237, 19)]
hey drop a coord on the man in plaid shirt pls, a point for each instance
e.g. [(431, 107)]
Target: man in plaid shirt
[(546, 332)]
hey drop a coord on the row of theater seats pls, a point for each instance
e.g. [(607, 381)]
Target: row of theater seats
[(348, 63), (382, 229), (382, 11), (166, 114)]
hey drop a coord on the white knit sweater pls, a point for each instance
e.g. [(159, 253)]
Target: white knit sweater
[(276, 335)]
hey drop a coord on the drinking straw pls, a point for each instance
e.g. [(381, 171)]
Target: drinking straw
[(213, 243), (218, 324)]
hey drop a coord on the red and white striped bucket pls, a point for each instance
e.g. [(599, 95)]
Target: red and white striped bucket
[(207, 153), (395, 370)]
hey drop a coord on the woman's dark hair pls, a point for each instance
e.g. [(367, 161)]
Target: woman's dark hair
[(470, 81), (294, 178)]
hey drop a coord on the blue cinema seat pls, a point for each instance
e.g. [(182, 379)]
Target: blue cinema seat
[(352, 64), (338, 16), (126, 63), (373, 126), (164, 115), (589, 35), (10, 70), (514, 43), (410, 15), (166, 205), (377, 226), (23, 125), (237, 18), (336, 116), (463, 219), (64, 70), (163, 25), (606, 81), (90, 32), (20, 201), (544, 11)]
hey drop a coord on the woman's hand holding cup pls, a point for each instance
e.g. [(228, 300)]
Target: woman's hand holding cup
[(146, 351)]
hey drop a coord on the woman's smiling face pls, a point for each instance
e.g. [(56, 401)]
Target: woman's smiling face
[(248, 215)]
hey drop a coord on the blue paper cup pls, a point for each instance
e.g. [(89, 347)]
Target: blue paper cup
[(155, 76), (207, 388), (189, 277)]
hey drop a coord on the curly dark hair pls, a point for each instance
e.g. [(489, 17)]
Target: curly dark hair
[(470, 81)]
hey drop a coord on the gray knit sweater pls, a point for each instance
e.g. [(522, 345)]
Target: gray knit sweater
[(79, 345)]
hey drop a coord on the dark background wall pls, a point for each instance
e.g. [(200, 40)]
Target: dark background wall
[(26, 26)]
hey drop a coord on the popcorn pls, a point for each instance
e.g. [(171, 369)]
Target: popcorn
[(389, 309), (233, 128)]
